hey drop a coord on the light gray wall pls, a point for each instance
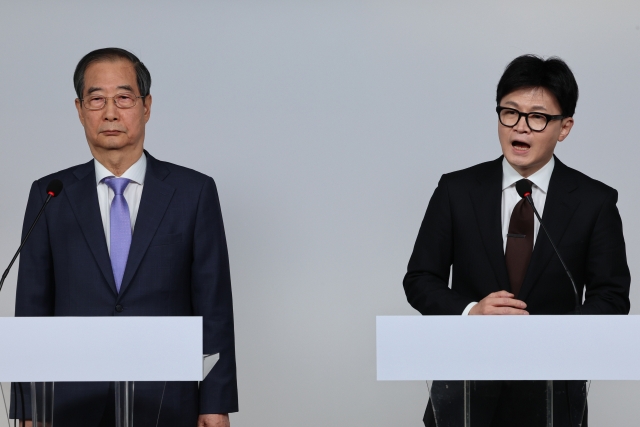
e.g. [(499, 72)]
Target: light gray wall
[(326, 126)]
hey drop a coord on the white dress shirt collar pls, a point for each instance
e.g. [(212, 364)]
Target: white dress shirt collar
[(135, 172), (540, 179)]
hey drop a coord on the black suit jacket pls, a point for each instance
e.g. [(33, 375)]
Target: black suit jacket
[(462, 231), (177, 266)]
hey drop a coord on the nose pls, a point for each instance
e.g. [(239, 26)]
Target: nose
[(111, 112), (521, 125)]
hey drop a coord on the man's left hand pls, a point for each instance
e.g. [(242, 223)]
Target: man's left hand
[(213, 420)]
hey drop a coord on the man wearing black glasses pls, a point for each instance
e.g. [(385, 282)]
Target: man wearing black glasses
[(478, 227)]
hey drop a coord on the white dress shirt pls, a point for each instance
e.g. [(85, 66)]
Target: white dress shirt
[(132, 194), (510, 199)]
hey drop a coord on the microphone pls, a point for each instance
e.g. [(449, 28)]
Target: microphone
[(53, 189), (523, 187)]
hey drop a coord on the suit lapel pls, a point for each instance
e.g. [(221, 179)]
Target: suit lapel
[(558, 211), (156, 196), (487, 200), (83, 198)]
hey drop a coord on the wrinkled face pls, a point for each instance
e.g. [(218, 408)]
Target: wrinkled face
[(528, 151), (113, 128)]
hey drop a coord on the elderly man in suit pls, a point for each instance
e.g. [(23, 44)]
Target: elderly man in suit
[(131, 236), (480, 229)]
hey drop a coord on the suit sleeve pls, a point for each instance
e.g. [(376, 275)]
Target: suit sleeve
[(426, 283), (607, 275), (35, 289), (211, 299)]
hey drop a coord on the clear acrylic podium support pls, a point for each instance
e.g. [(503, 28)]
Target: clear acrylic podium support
[(530, 403), (549, 403), (42, 399), (124, 391), (42, 395)]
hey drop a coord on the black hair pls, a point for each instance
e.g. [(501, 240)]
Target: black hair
[(143, 77), (532, 71)]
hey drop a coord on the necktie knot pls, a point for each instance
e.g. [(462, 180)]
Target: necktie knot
[(118, 185)]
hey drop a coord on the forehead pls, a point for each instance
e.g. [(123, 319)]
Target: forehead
[(109, 76), (531, 97)]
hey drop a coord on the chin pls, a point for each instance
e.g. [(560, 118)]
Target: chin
[(517, 160), (113, 144), (520, 163)]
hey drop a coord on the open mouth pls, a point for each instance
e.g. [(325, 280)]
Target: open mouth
[(520, 146)]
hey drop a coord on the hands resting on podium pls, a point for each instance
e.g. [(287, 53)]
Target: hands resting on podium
[(501, 302), (205, 420)]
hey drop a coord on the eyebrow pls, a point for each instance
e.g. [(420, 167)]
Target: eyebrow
[(95, 89), (533, 107)]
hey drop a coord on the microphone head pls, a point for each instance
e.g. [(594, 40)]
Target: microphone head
[(54, 188), (523, 187)]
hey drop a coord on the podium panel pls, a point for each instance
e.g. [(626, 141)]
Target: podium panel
[(507, 370), (85, 348), (94, 350), (507, 348)]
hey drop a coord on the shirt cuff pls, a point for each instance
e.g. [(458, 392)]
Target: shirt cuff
[(468, 308)]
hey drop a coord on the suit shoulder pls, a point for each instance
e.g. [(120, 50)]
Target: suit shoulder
[(186, 179), (593, 186), (67, 176), (474, 173), (184, 172)]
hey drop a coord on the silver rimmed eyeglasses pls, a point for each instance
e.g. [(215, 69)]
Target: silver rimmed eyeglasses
[(536, 121), (122, 100)]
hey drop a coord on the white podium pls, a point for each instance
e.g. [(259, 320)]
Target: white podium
[(60, 349), (473, 349)]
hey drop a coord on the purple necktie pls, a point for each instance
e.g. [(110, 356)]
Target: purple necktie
[(120, 234)]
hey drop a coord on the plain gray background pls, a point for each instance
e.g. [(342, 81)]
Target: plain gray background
[(326, 126)]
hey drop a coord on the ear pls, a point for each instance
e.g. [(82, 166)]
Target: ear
[(147, 108), (567, 124), (79, 108)]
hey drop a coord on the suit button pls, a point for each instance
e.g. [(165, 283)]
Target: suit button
[(119, 308)]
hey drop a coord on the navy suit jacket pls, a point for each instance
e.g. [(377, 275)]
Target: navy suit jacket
[(177, 266)]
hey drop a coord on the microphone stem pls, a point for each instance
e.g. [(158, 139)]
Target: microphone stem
[(6, 272), (575, 289)]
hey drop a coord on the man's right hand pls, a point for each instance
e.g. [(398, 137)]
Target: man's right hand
[(501, 302)]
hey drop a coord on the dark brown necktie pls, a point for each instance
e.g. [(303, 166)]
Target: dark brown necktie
[(519, 244)]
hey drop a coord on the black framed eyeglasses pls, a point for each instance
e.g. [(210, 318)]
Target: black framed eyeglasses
[(122, 100), (536, 121)]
